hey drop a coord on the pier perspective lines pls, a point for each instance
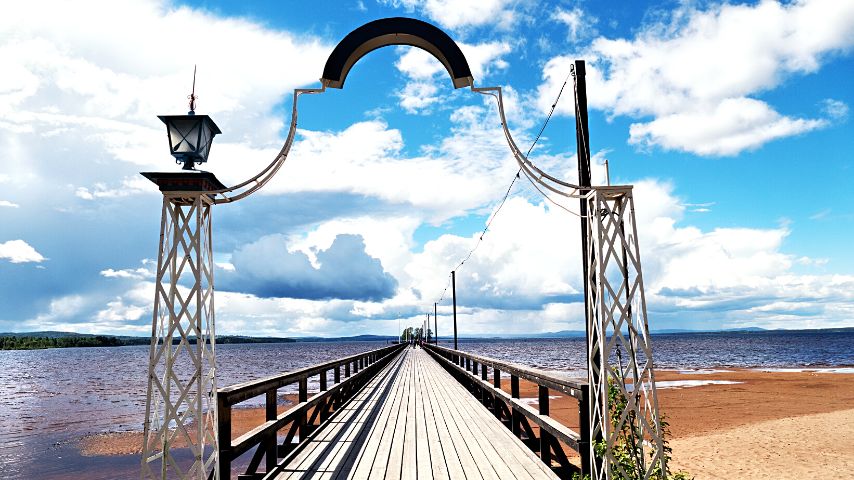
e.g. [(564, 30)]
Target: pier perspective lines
[(414, 420)]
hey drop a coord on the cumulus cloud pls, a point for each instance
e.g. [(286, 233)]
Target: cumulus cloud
[(731, 126), (19, 251), (6, 203), (266, 268), (697, 73)]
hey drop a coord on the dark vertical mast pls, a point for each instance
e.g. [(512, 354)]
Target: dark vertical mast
[(454, 291), (582, 139)]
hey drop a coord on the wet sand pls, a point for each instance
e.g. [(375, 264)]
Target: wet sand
[(767, 425)]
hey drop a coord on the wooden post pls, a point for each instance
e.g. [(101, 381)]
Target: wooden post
[(545, 437), (224, 434), (270, 444), (584, 430), (303, 420), (454, 292), (323, 386), (515, 423), (337, 373)]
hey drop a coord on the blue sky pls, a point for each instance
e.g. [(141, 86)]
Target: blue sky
[(732, 120)]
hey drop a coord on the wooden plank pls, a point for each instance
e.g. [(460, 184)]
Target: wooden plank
[(415, 410), (496, 440), (396, 460), (510, 446), (458, 403), (410, 458), (448, 450), (360, 456), (424, 467), (380, 443), (459, 444), (320, 453), (354, 429)]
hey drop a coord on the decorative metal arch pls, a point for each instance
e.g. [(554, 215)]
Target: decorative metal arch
[(395, 31)]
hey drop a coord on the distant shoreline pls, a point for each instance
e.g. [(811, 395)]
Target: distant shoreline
[(53, 339)]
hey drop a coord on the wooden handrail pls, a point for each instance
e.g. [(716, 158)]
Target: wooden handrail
[(358, 370), (471, 370), (240, 392), (570, 387)]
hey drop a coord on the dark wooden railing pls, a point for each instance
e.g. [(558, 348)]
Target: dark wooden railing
[(472, 371), (357, 371)]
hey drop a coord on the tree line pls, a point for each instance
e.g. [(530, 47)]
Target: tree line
[(35, 343)]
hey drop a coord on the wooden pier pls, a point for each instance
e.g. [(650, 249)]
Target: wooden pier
[(402, 412)]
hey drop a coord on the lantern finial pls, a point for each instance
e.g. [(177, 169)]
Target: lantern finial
[(192, 95)]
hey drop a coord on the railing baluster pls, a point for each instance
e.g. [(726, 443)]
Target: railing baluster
[(545, 437), (337, 374), (270, 443), (515, 424), (224, 436), (323, 381), (584, 429)]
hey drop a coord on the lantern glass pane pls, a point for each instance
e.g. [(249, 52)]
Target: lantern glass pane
[(184, 133)]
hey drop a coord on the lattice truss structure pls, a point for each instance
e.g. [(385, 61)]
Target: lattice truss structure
[(619, 345), (180, 428)]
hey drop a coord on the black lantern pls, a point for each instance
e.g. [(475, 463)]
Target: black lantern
[(190, 137)]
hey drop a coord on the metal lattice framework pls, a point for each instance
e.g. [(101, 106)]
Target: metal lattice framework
[(181, 411), (620, 353)]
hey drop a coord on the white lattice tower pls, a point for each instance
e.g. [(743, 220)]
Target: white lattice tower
[(180, 429), (620, 350)]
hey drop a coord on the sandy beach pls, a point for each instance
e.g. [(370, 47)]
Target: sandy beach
[(752, 425)]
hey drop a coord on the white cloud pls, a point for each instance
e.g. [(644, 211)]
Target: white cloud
[(417, 97), (427, 78), (129, 186), (61, 76), (704, 66), (727, 128), (6, 203), (19, 251), (457, 14), (835, 109), (578, 23)]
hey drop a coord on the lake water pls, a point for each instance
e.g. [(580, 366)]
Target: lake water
[(51, 398)]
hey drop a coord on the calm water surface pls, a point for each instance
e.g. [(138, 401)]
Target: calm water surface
[(49, 399)]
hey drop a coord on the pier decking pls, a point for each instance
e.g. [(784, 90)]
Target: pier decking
[(413, 420), (398, 412)]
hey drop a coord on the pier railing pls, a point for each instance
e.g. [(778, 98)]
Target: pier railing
[(349, 375), (473, 372)]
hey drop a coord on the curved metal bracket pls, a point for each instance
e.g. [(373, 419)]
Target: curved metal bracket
[(529, 169)]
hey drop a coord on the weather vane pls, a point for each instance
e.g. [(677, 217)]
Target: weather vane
[(192, 95)]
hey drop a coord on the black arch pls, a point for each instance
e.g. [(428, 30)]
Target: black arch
[(396, 31)]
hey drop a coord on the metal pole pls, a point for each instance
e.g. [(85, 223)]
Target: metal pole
[(582, 139), (435, 325), (454, 291), (607, 174)]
